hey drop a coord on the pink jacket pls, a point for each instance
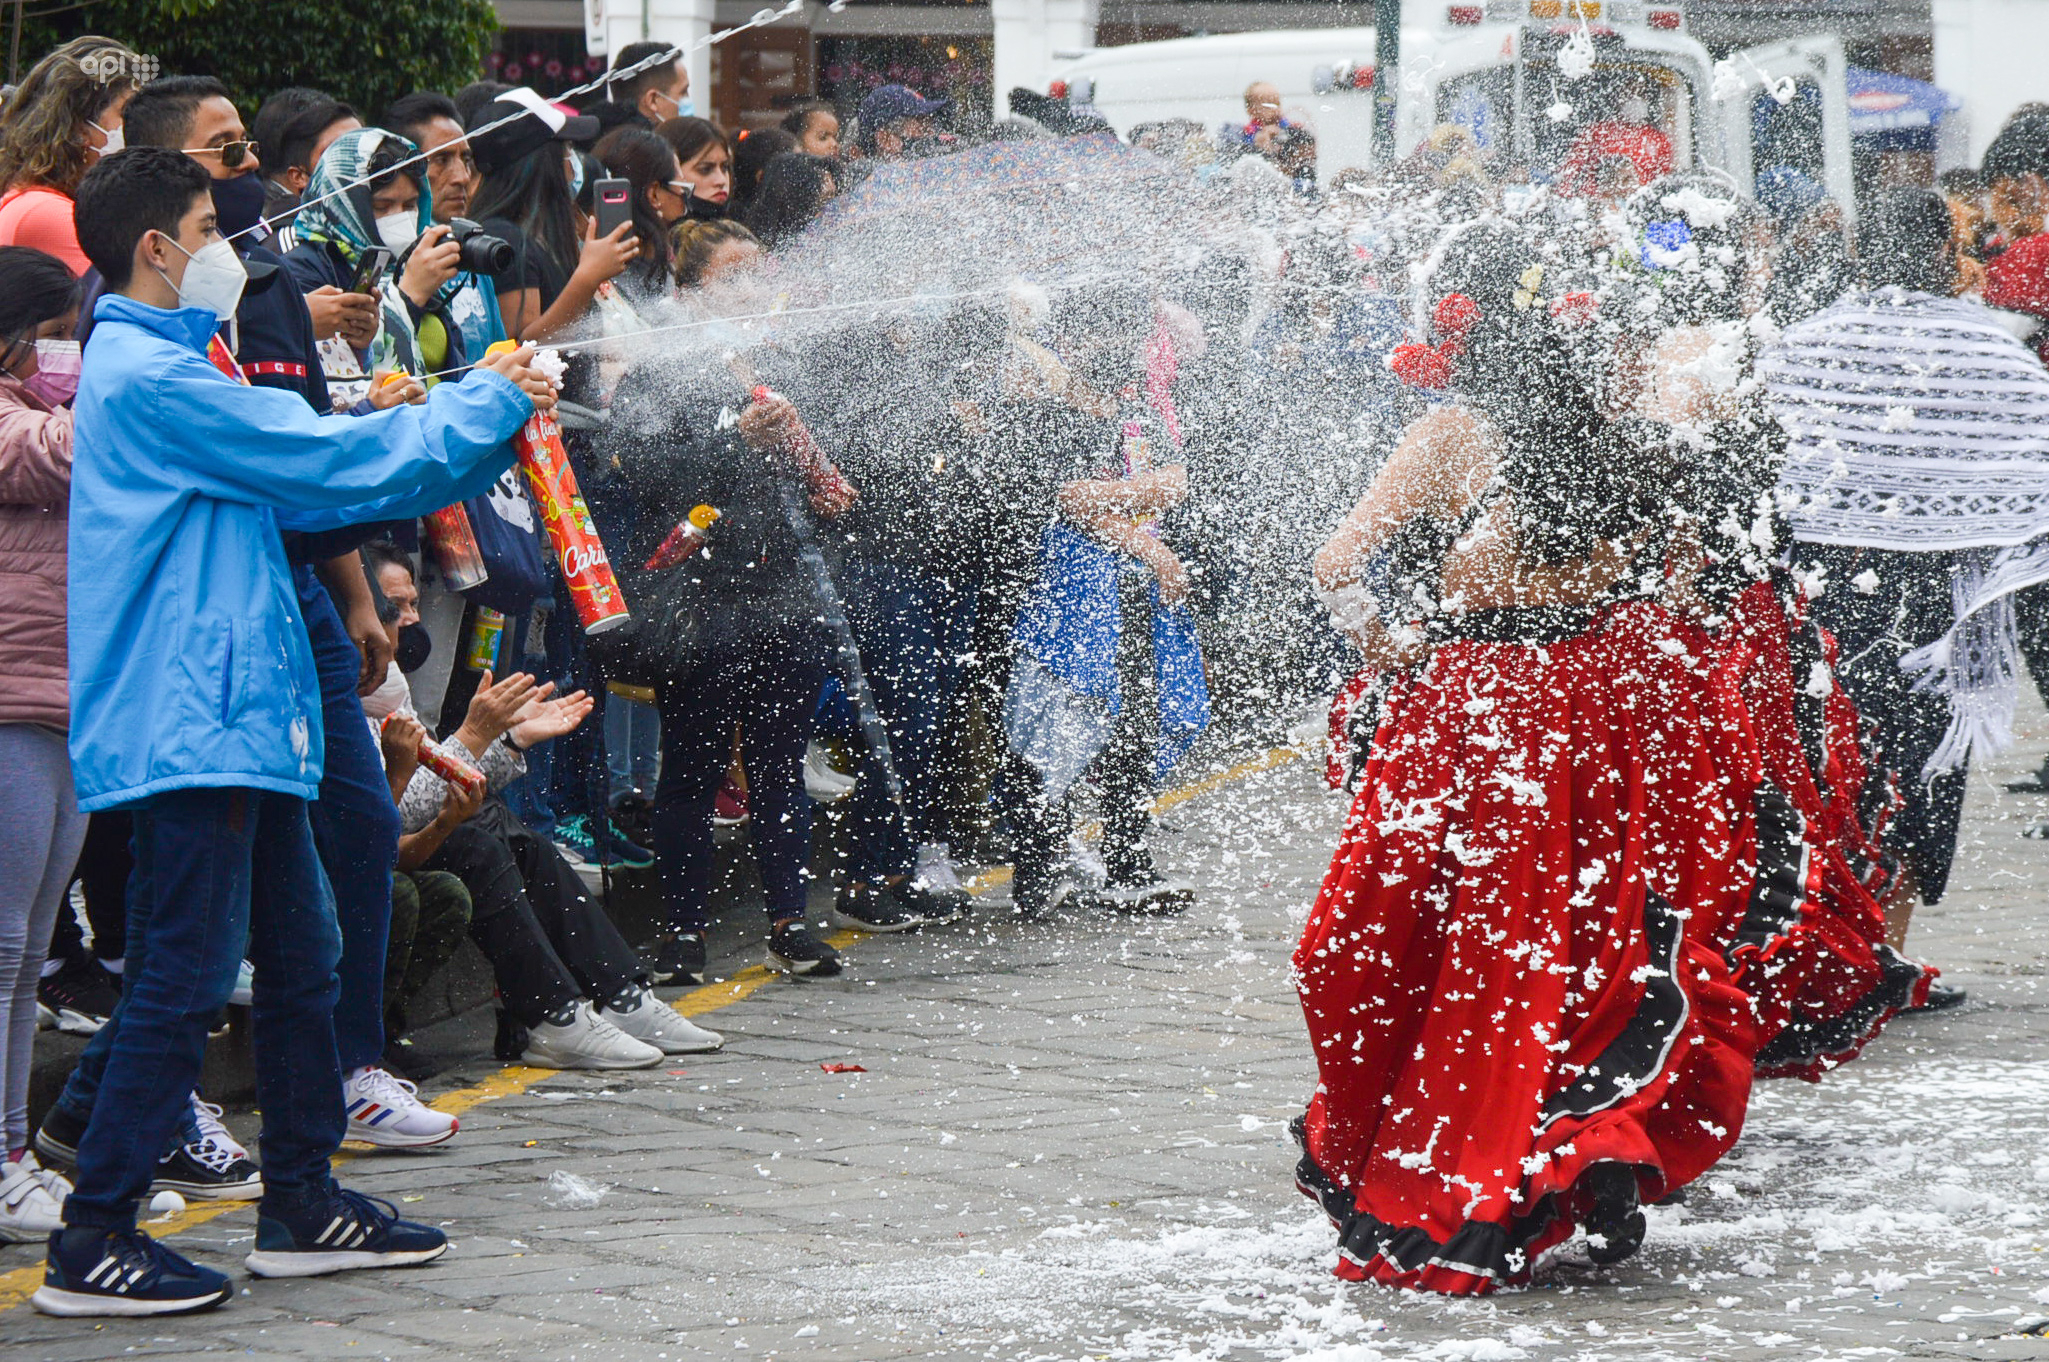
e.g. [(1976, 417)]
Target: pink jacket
[(35, 495)]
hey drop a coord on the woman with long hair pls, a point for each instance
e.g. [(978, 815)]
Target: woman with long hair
[(794, 189), (660, 198), (1517, 1029), (526, 195), (65, 115), (705, 157)]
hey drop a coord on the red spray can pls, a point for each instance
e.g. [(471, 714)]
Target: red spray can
[(578, 550)]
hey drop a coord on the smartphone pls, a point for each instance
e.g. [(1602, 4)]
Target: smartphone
[(376, 260), (614, 199)]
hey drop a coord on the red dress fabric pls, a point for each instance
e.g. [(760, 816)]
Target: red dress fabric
[(1810, 949), (1508, 976)]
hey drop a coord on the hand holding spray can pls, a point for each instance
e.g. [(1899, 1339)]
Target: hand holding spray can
[(578, 550), (443, 765), (453, 542)]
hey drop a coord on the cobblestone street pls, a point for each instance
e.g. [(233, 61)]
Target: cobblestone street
[(1068, 1140)]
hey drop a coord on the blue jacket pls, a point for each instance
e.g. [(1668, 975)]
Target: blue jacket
[(189, 661)]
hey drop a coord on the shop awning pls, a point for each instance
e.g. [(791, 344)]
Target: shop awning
[(1885, 105)]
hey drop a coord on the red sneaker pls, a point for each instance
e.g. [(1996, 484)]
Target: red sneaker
[(729, 806)]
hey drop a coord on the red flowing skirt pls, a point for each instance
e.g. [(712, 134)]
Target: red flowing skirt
[(1810, 949), (1508, 976)]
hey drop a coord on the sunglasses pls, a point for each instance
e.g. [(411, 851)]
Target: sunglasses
[(232, 154)]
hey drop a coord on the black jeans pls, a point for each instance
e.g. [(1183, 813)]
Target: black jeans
[(546, 939), (104, 863), (1910, 607), (766, 682)]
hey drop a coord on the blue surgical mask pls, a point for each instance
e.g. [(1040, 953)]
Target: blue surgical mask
[(686, 108), (575, 174)]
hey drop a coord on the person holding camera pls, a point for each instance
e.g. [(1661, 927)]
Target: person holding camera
[(366, 226)]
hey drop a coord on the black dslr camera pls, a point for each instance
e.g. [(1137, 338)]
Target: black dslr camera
[(482, 253)]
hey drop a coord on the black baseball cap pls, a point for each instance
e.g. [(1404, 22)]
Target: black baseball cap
[(534, 123)]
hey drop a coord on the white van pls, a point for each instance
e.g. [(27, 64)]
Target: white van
[(1494, 67)]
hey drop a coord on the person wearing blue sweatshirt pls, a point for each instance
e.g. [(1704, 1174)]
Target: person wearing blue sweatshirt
[(196, 706)]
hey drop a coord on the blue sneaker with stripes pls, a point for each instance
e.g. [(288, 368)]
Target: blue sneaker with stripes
[(123, 1273), (343, 1231)]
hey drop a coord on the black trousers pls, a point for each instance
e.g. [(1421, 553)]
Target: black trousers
[(548, 940), (1910, 607), (104, 863)]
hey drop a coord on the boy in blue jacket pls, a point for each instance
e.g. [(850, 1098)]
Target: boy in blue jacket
[(195, 704)]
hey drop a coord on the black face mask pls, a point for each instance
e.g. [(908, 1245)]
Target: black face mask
[(238, 203), (413, 647), (931, 144)]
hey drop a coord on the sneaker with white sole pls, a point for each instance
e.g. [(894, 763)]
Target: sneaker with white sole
[(935, 869), (214, 1167), (823, 781), (386, 1111), (579, 1037), (28, 1213), (793, 950), (342, 1232), (123, 1273), (54, 1182), (643, 1016)]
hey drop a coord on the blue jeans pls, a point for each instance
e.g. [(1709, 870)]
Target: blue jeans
[(913, 626), (355, 827), (633, 734), (214, 869)]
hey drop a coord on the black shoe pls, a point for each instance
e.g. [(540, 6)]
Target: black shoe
[(2036, 783), (793, 950), (77, 999), (875, 908), (1040, 900), (403, 1058), (58, 1136), (678, 958), (1941, 997), (1615, 1226), (209, 1169), (510, 1042), (937, 906), (1145, 894)]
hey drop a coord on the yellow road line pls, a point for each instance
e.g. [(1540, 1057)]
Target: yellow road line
[(17, 1286)]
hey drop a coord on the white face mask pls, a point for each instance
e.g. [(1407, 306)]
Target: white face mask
[(399, 230), (214, 278), (390, 696), (117, 138)]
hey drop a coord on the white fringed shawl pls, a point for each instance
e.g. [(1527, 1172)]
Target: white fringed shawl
[(1919, 423)]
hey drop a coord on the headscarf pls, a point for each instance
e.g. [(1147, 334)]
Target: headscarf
[(1918, 423), (340, 219)]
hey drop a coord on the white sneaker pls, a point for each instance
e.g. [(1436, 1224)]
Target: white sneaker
[(935, 870), (586, 1041), (823, 781), (54, 1182), (384, 1110), (27, 1210), (662, 1026)]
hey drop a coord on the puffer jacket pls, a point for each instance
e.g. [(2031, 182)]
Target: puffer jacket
[(35, 492)]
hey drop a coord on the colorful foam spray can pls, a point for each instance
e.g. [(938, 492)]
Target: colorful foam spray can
[(487, 637), (578, 550)]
